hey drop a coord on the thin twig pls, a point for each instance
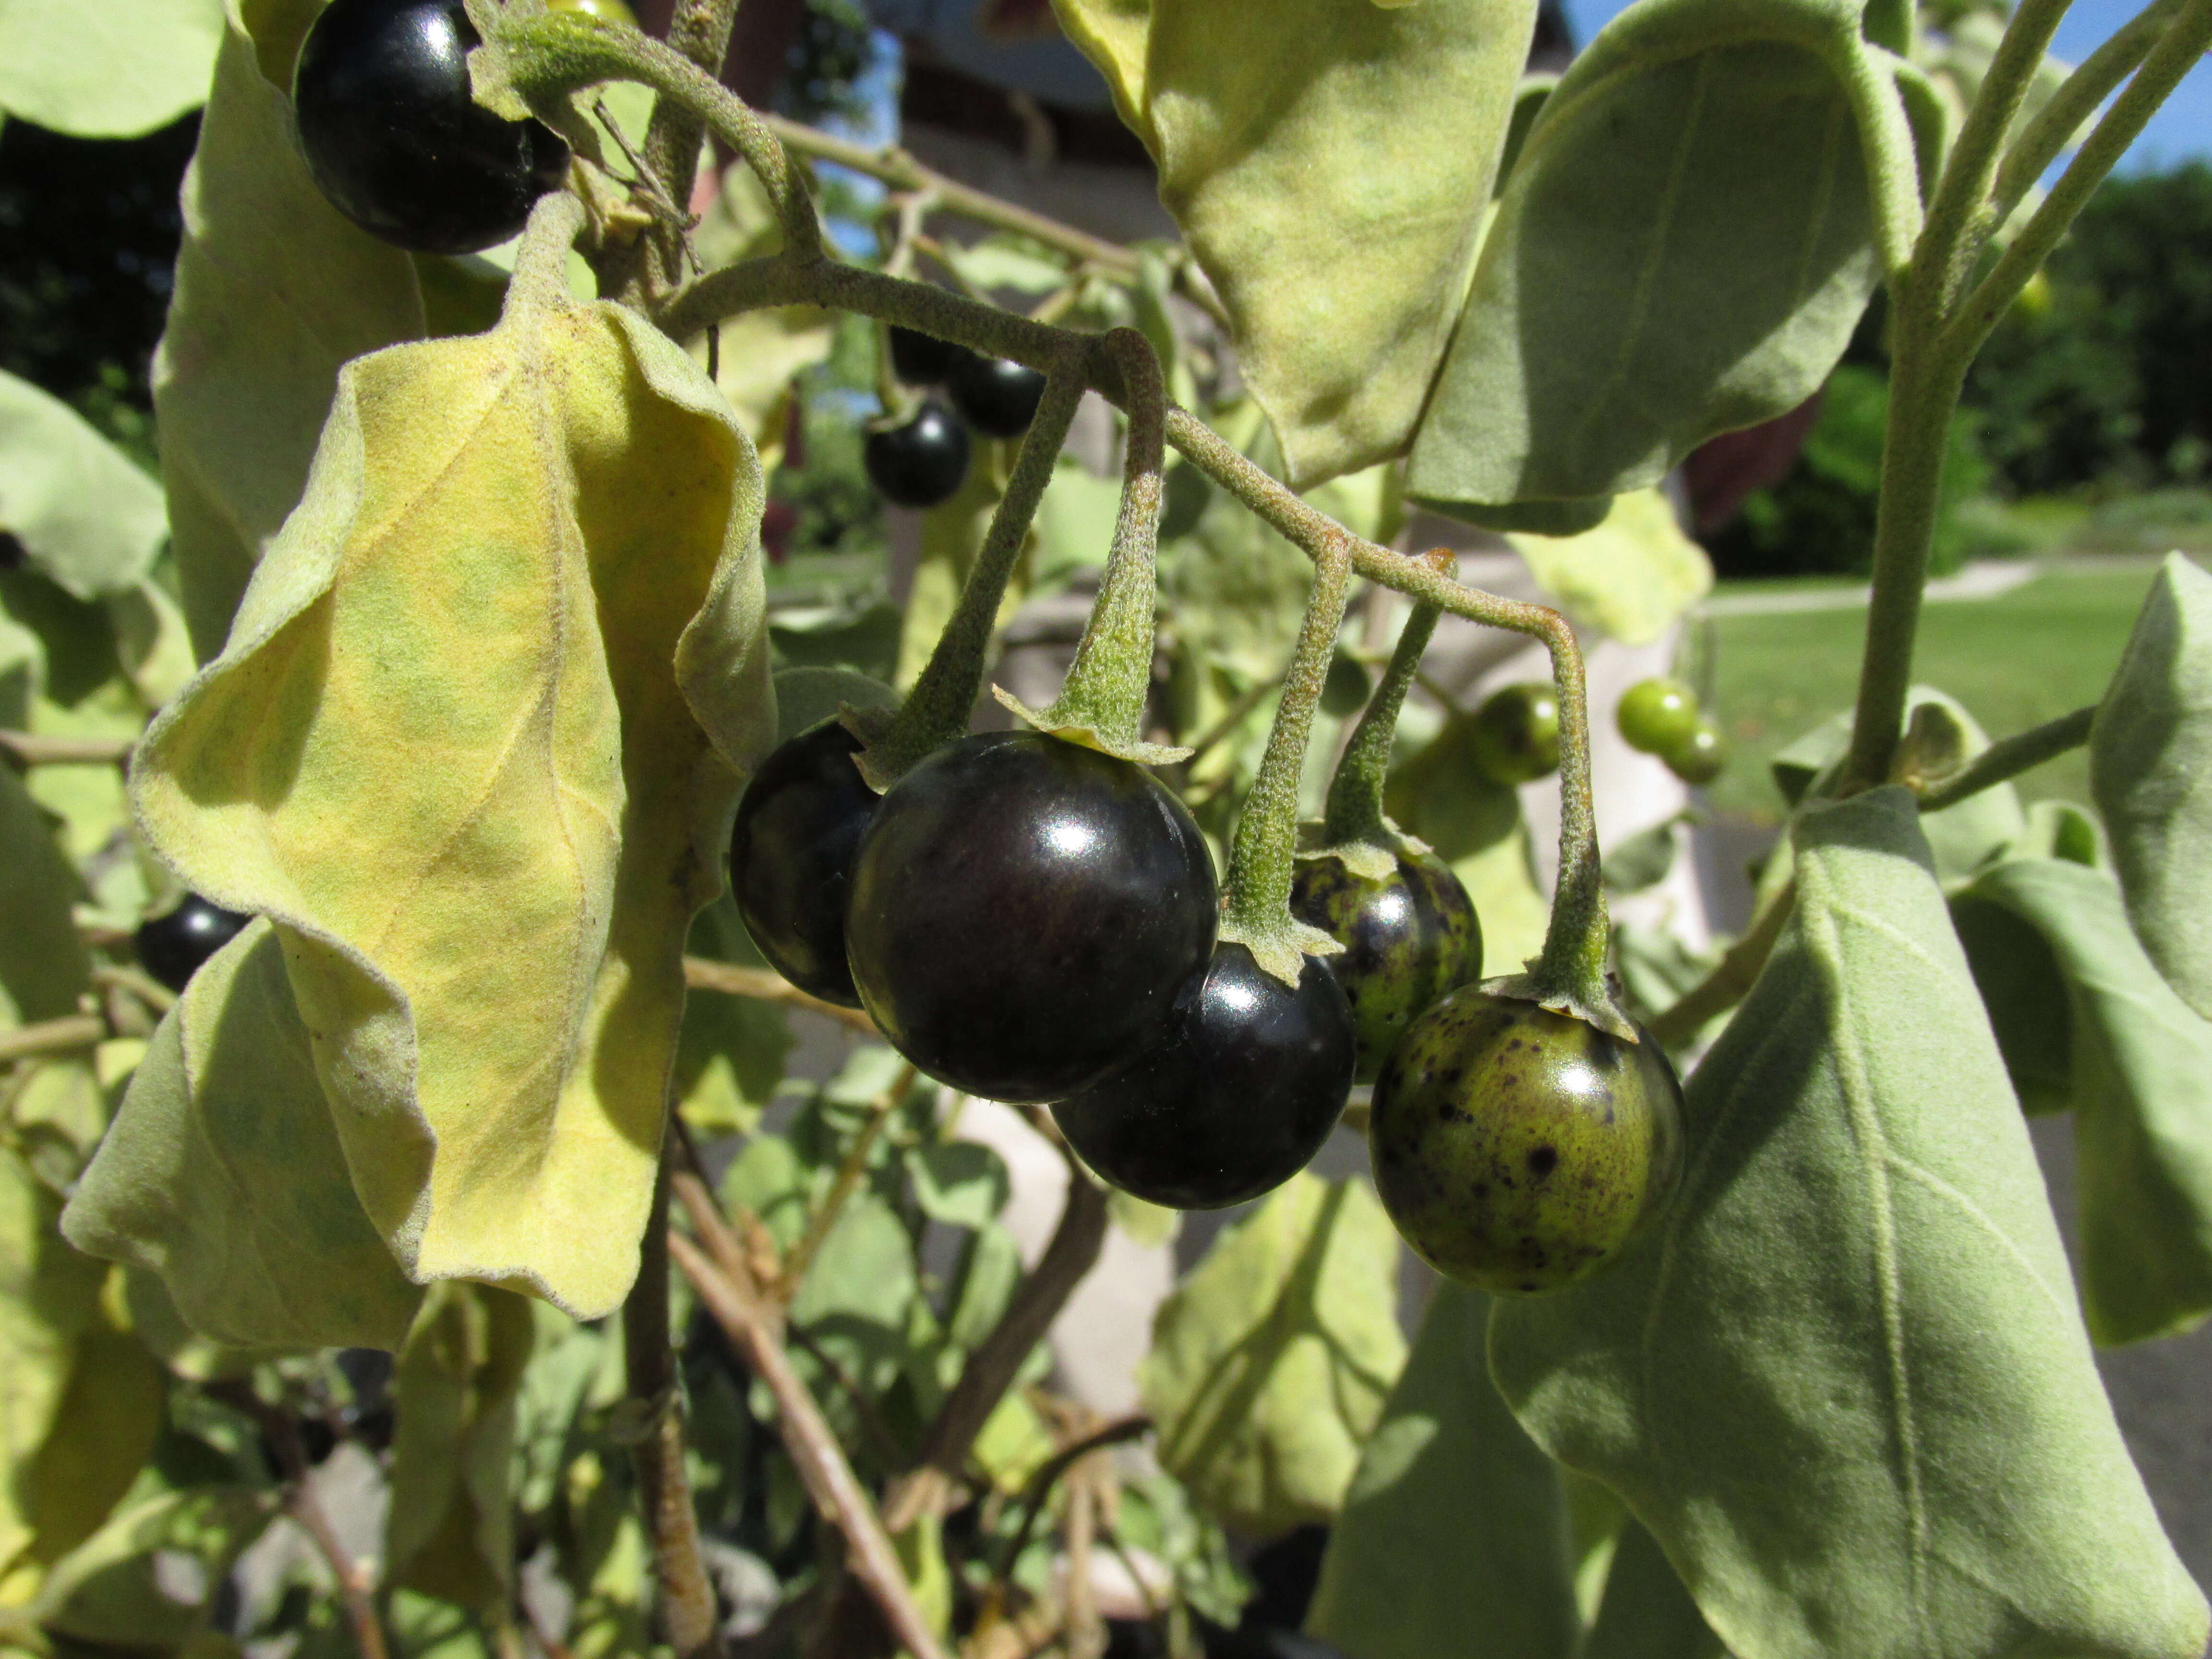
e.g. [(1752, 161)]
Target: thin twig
[(1040, 1484), (812, 1445), (685, 1602), (139, 983), (52, 1036), (280, 1432), (2008, 758), (29, 749), (1732, 977), (765, 985)]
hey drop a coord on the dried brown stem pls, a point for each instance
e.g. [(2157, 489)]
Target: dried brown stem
[(28, 748), (685, 1603), (752, 1328), (765, 985)]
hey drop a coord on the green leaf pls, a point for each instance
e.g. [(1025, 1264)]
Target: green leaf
[(43, 965), (961, 1183), (1630, 577), (1646, 1612), (1844, 1381), (1341, 278), (472, 744), (730, 1054), (2141, 1093), (273, 292), (2151, 772), (451, 1530), (805, 697), (150, 1577), (82, 510), (223, 1173), (1454, 1537), (1683, 248), (22, 673), (855, 1297), (1270, 1363), (110, 70), (2025, 995)]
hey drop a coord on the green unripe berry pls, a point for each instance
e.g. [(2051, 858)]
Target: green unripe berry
[(1657, 715), (1703, 757), (1516, 735), (1518, 1149)]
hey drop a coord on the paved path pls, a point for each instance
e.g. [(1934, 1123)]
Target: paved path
[(1979, 578)]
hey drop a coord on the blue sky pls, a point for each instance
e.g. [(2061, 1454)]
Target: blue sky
[(2180, 131)]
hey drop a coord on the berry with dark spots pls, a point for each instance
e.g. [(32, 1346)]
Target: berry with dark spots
[(1237, 1099), (1520, 1169), (1023, 913), (1408, 939), (798, 830)]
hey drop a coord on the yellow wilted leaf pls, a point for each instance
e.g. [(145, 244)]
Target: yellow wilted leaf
[(473, 746), (1343, 277)]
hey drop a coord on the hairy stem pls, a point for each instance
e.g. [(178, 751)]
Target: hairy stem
[(937, 709), (2075, 101), (1255, 902), (685, 1600), (1354, 813), (2008, 758)]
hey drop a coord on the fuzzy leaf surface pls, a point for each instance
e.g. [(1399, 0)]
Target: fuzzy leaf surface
[(223, 1173), (1455, 1535), (1341, 278), (2150, 770), (1844, 1381), (1683, 248), (473, 746), (1270, 1363), (273, 292), (2142, 1094)]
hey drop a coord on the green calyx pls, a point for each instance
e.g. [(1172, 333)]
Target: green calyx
[(1102, 703), (1255, 904)]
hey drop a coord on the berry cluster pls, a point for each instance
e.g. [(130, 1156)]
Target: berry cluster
[(1662, 717), (923, 459)]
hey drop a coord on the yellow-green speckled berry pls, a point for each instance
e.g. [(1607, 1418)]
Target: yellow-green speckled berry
[(1517, 1148)]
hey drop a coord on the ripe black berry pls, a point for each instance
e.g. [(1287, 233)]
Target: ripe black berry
[(920, 359), (1236, 1099), (1023, 912), (1408, 939), (798, 829), (920, 463), (1517, 1148), (394, 140), (172, 947), (998, 398)]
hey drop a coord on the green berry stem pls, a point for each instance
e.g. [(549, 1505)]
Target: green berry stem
[(1570, 974), (540, 280), (1102, 703), (530, 59), (1354, 813), (937, 710), (1256, 902)]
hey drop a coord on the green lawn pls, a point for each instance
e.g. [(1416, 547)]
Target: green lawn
[(2016, 660)]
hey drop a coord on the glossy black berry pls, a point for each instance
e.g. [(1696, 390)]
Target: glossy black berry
[(998, 398), (172, 946), (1408, 939), (920, 463), (920, 359), (395, 143), (1516, 734), (1246, 1084), (1517, 1148), (1023, 913), (1656, 715), (798, 830)]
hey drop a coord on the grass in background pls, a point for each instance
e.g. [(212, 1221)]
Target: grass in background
[(2027, 656)]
